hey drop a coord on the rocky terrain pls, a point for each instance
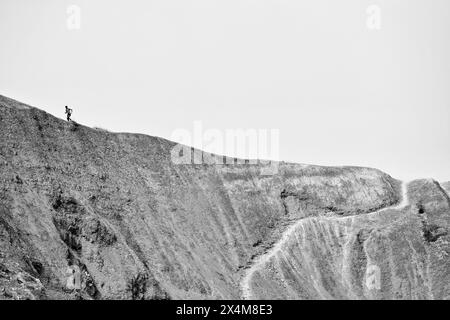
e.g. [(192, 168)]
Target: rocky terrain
[(446, 186), (89, 214), (398, 253)]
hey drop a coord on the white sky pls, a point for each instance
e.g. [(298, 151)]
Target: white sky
[(339, 93)]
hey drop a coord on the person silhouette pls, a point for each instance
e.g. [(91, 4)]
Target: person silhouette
[(68, 112)]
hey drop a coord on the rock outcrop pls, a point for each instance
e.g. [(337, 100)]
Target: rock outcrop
[(90, 214)]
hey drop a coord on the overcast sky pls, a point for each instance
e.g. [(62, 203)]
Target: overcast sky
[(339, 92)]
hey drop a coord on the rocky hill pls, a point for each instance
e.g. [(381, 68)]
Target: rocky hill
[(113, 211)]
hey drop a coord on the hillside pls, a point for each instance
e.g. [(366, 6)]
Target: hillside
[(446, 186), (138, 226)]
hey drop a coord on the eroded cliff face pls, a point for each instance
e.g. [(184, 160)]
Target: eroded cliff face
[(399, 253), (115, 209), (446, 186)]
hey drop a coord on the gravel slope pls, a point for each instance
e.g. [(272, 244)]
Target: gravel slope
[(138, 226)]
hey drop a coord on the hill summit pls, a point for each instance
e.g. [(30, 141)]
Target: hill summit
[(85, 213)]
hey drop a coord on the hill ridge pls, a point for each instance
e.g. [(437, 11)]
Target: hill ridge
[(115, 207)]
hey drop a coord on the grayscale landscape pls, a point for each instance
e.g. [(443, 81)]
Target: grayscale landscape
[(134, 225)]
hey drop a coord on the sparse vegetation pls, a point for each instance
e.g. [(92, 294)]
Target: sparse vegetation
[(137, 286)]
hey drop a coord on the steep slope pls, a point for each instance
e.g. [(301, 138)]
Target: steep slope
[(265, 260), (446, 186), (115, 207), (396, 253)]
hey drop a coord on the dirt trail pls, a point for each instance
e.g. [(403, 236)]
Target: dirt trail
[(261, 260)]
